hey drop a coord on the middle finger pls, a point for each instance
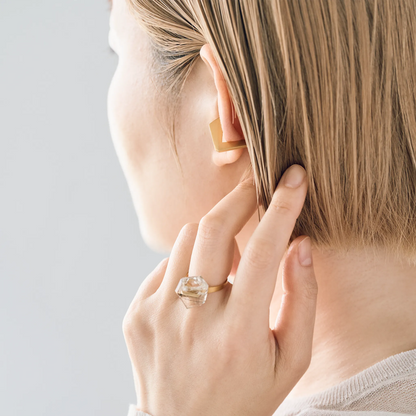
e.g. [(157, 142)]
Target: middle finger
[(213, 253)]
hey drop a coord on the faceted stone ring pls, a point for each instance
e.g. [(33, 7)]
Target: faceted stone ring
[(193, 290)]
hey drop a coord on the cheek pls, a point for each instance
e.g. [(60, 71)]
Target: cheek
[(127, 116), (142, 147), (164, 200)]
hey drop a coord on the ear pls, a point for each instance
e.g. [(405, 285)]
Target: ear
[(229, 121)]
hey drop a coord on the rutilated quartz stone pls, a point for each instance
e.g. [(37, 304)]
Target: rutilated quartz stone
[(192, 290)]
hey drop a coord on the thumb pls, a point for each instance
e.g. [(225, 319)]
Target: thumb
[(295, 321)]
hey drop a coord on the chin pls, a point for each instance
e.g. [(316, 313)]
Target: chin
[(153, 240)]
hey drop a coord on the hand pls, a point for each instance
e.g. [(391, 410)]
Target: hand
[(222, 358)]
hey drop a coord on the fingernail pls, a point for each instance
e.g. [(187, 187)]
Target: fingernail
[(294, 176), (305, 252)]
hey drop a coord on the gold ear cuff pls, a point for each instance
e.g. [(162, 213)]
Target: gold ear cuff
[(219, 145)]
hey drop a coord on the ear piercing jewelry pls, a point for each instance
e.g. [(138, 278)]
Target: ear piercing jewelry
[(216, 134)]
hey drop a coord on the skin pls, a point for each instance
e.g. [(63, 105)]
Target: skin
[(143, 147), (209, 350), (365, 311)]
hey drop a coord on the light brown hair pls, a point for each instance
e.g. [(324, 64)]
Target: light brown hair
[(330, 85)]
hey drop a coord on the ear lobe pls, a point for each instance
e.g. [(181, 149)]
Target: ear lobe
[(228, 157), (230, 124)]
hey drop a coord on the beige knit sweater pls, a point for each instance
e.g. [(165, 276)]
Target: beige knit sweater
[(386, 388)]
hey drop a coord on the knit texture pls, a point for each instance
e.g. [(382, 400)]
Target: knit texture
[(134, 412), (386, 388)]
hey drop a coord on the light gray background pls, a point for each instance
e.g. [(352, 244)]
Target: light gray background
[(71, 254)]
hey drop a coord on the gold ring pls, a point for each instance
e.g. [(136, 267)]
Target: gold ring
[(193, 290)]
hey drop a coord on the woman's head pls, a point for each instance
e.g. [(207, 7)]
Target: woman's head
[(171, 183), (328, 85)]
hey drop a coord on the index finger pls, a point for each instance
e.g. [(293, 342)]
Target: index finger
[(256, 275)]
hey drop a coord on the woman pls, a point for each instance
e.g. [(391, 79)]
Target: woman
[(328, 87)]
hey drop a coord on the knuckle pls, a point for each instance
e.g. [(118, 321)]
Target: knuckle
[(282, 207), (259, 255), (246, 185), (310, 291), (210, 228), (189, 230), (128, 325), (134, 322)]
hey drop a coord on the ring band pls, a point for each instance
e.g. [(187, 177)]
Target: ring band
[(217, 288), (193, 290)]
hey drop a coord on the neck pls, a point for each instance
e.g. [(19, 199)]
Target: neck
[(365, 313)]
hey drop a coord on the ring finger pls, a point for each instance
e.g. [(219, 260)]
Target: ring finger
[(214, 248)]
